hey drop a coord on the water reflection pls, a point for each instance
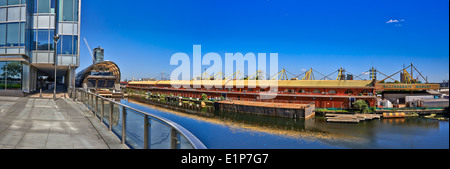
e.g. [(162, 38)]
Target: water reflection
[(384, 133)]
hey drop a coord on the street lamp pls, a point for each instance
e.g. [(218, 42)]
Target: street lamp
[(56, 40)]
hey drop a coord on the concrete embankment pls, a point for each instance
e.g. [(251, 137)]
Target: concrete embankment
[(268, 109)]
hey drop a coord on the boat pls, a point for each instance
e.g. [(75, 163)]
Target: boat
[(394, 115)]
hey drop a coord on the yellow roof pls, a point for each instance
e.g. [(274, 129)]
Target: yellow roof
[(265, 83), (142, 82)]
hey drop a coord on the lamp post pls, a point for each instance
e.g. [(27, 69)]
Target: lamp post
[(56, 40)]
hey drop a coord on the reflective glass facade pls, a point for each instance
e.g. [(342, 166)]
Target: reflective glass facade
[(13, 26), (27, 28), (66, 26), (11, 75)]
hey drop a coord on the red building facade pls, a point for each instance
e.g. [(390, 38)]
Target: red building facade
[(324, 94)]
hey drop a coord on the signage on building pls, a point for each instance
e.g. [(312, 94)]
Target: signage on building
[(393, 86)]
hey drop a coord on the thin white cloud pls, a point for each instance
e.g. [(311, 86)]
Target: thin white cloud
[(396, 22), (393, 21)]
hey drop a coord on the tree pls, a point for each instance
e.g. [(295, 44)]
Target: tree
[(12, 70), (362, 106), (204, 97)]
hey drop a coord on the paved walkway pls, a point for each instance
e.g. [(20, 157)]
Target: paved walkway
[(34, 123)]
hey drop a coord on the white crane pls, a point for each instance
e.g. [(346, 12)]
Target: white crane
[(89, 48)]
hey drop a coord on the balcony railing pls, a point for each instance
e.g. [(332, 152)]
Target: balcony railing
[(136, 128)]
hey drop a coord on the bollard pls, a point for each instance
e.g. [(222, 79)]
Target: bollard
[(40, 94)]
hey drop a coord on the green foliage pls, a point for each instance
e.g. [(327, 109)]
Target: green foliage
[(362, 106), (374, 109), (11, 70), (204, 97)]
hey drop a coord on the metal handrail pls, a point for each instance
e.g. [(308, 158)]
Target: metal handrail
[(191, 138)]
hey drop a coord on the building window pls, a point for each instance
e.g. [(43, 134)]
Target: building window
[(13, 2), (317, 91), (43, 40), (12, 34), (2, 35), (52, 7), (43, 6), (22, 33), (68, 45), (349, 92), (364, 92), (10, 75), (12, 37), (332, 92), (2, 76), (2, 14), (68, 9)]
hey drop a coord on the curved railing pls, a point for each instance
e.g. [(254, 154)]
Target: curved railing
[(136, 128)]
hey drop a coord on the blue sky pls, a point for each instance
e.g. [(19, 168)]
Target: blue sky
[(323, 34)]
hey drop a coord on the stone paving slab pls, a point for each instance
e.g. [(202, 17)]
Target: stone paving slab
[(36, 123)]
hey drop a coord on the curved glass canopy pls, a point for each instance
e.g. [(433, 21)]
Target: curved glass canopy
[(100, 75)]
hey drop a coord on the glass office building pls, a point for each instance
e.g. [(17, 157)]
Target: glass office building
[(27, 48), (99, 55)]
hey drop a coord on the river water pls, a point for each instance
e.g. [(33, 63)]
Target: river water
[(227, 130)]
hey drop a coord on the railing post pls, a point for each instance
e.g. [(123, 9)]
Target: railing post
[(110, 115), (92, 101), (74, 94), (89, 100), (103, 110), (96, 105), (173, 139), (146, 126), (124, 121)]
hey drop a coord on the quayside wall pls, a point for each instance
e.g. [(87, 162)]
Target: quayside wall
[(306, 111)]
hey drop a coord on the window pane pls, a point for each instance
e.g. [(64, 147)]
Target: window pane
[(2, 35), (22, 34), (13, 2), (2, 14), (75, 45), (2, 75), (66, 45), (14, 76), (75, 8), (51, 42), (43, 40), (35, 42), (35, 6), (12, 35), (67, 14), (52, 7), (3, 3), (44, 6), (14, 14)]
